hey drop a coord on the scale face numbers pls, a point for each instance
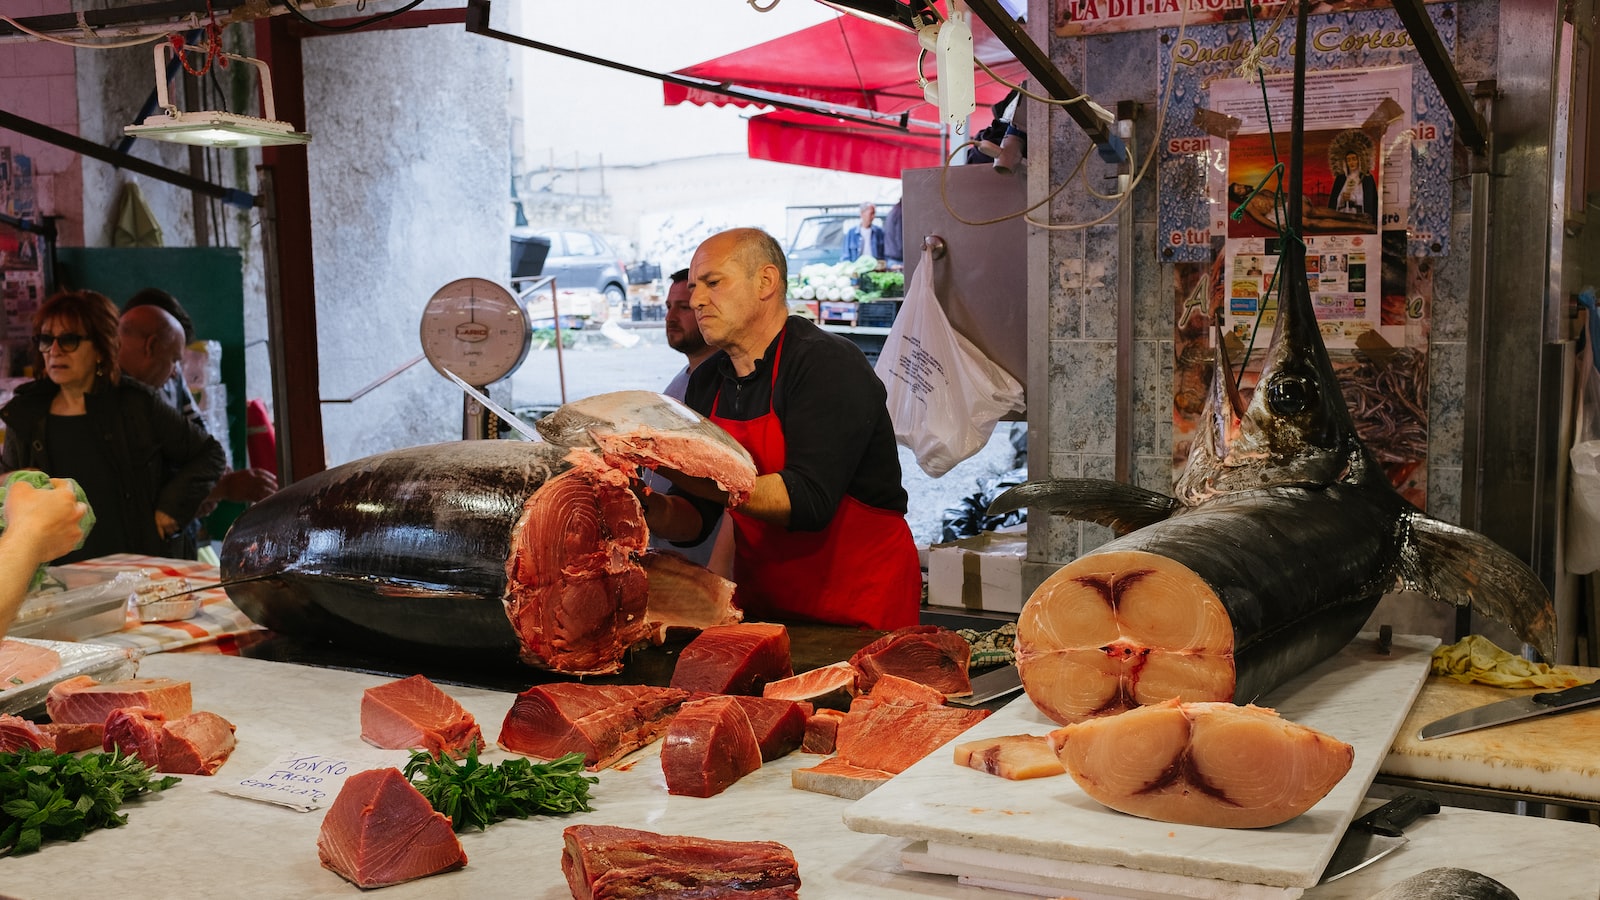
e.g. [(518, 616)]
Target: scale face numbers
[(476, 329)]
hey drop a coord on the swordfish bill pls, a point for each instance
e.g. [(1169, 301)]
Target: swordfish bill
[(1284, 534)]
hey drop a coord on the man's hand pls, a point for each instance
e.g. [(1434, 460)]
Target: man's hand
[(245, 486), (166, 526), (46, 521)]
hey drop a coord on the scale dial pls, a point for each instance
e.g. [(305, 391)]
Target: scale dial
[(476, 329)]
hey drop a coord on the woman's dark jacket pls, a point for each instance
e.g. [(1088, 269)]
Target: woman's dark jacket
[(161, 459)]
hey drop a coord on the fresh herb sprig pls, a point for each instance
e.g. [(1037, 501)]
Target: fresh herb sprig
[(476, 795), (47, 796)]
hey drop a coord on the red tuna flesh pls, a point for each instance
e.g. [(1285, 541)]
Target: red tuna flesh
[(831, 686), (822, 732), (82, 701), (604, 722), (380, 831), (21, 663), (1213, 764), (605, 862), (926, 654), (197, 744), (135, 731), (575, 593), (17, 733), (708, 747), (70, 738), (734, 659), (891, 737), (780, 725), (414, 713), (894, 689)]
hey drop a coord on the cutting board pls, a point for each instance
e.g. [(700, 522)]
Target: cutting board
[(1550, 755), (1359, 696)]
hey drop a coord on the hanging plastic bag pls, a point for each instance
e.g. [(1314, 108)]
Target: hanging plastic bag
[(945, 396), (1583, 506)]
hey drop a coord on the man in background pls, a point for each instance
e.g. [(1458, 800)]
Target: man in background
[(683, 335), (867, 239)]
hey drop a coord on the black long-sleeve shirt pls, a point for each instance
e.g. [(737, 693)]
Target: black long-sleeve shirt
[(838, 437)]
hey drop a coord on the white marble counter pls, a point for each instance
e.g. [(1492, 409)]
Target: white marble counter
[(191, 842)]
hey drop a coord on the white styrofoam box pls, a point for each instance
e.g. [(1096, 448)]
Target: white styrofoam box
[(982, 572)]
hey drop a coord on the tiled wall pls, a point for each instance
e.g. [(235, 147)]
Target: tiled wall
[(38, 81)]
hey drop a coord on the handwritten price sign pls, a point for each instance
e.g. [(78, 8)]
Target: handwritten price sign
[(306, 781)]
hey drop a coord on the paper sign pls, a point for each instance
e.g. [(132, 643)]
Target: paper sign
[(308, 781)]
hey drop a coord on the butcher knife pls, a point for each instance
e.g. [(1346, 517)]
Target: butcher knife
[(1513, 710), (1377, 834), (989, 685)]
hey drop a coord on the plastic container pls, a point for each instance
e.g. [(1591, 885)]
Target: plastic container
[(74, 604), (101, 663), (151, 599)]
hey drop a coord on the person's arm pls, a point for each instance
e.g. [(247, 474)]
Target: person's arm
[(196, 458), (40, 526)]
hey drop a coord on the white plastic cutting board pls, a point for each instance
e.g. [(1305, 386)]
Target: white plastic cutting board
[(1358, 696)]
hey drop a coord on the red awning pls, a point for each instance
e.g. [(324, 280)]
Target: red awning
[(852, 65)]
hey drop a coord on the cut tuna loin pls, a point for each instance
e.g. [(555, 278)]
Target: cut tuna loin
[(779, 725), (21, 662), (135, 731), (926, 654), (685, 597), (604, 722), (878, 740), (606, 862), (822, 731), (1015, 756), (380, 830), (894, 689), (835, 777), (197, 744), (708, 747), (413, 713), (71, 738), (83, 701), (831, 686), (17, 733), (1114, 630), (1212, 764), (574, 593), (734, 659)]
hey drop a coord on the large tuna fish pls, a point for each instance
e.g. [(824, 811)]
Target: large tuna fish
[(1284, 534), (475, 547)]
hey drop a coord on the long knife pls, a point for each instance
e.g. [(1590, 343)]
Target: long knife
[(1377, 834), (1513, 710), (505, 415), (989, 685)]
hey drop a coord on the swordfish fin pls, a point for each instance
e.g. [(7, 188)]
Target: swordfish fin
[(1120, 507), (1462, 567)]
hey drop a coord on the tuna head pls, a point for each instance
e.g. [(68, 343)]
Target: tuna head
[(652, 430), (1295, 430)]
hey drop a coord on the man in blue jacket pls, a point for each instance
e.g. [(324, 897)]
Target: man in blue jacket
[(867, 239)]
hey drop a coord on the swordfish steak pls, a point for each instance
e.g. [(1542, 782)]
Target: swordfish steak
[(479, 549)]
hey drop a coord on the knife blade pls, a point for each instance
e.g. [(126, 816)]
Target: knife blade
[(990, 685), (1513, 710), (1377, 834)]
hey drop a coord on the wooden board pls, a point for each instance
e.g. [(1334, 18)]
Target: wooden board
[(1550, 755), (1358, 696)]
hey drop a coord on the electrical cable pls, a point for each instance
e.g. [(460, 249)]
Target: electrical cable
[(81, 45), (294, 10)]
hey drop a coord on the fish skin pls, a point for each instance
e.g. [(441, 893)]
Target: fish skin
[(1295, 443), (1446, 883)]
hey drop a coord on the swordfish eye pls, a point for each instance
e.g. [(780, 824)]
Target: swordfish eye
[(1290, 395)]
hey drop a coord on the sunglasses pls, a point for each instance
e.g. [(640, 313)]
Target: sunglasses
[(68, 341)]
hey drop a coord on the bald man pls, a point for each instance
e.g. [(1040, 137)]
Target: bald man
[(823, 535)]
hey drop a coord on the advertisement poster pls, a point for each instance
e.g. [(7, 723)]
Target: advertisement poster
[(1080, 17)]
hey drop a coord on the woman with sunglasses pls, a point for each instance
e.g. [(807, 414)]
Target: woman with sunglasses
[(143, 466)]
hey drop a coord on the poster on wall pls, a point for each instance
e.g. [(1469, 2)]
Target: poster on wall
[(21, 266), (1080, 17)]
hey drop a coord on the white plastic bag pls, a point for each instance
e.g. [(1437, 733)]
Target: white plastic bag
[(945, 396), (1583, 506)]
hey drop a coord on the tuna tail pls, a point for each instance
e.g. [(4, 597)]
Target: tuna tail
[(1461, 567), (1120, 507)]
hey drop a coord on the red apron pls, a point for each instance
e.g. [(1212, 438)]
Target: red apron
[(862, 569)]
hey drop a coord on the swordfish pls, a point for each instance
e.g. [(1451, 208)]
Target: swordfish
[(1284, 534)]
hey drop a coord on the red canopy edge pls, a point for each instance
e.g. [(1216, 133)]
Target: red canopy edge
[(827, 143)]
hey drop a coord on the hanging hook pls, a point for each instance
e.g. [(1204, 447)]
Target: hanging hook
[(935, 245)]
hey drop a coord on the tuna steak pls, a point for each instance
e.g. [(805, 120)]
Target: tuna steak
[(709, 746), (70, 738), (734, 659), (926, 654), (197, 744), (605, 862), (779, 725), (1014, 756), (1213, 764), (414, 713), (380, 831), (82, 701), (17, 733), (477, 548), (603, 722), (832, 686), (135, 731)]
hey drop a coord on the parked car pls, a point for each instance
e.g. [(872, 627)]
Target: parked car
[(579, 261), (819, 239)]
